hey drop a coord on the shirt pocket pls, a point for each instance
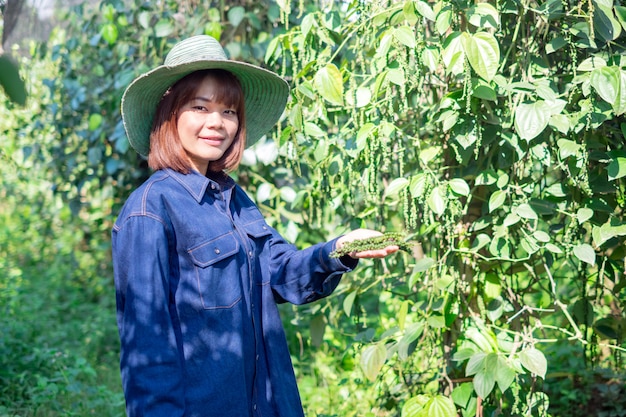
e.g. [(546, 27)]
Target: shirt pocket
[(217, 272)]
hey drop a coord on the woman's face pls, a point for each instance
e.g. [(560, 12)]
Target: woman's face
[(206, 128)]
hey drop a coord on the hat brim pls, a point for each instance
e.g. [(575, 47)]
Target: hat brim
[(265, 97)]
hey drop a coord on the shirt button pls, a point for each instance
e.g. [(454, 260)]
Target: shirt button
[(217, 251), (254, 407), (212, 186), (251, 253), (257, 357)]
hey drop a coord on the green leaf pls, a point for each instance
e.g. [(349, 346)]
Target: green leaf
[(607, 231), (459, 186), (610, 84), (484, 381), (428, 154), (110, 33), (430, 58), (531, 119), (214, 29), (555, 44), (372, 360), (405, 36), (475, 364), (235, 15), (620, 12), (496, 200), (396, 186), (568, 148), (453, 53), (480, 338), (462, 394), (444, 20), (483, 53), (163, 29), (308, 22), (585, 253), (535, 361), (272, 48), (414, 406), (606, 26), (313, 130), (480, 242), (436, 202), (418, 185), (410, 336), (505, 374), (364, 134), (329, 84), (396, 76), (525, 211), (483, 15), (439, 406), (317, 329), (348, 302), (11, 81), (487, 177), (425, 10), (583, 214), (591, 63), (616, 168), (95, 120), (423, 264), (553, 248)]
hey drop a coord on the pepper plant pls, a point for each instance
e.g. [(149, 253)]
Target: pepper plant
[(492, 132)]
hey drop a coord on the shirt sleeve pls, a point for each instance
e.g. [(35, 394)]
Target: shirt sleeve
[(150, 359), (304, 276)]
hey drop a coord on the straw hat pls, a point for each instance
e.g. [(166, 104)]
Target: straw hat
[(265, 93)]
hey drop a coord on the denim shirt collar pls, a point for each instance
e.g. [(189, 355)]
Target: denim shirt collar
[(197, 184)]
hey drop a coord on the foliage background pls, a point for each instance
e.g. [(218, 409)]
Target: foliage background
[(491, 133)]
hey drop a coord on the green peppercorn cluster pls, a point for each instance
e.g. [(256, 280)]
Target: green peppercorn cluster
[(373, 243)]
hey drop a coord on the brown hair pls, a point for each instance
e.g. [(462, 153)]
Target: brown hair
[(166, 149)]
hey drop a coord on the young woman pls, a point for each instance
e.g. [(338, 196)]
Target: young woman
[(198, 271)]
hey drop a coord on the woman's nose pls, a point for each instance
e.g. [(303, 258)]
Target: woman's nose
[(214, 119)]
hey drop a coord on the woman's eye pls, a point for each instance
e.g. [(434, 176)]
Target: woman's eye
[(231, 112)]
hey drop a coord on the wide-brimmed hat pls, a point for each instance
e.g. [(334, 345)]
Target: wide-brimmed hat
[(265, 93)]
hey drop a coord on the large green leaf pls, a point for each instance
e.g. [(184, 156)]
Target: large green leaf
[(372, 360), (405, 36), (616, 168), (607, 231), (620, 12), (532, 118), (10, 80), (585, 253), (505, 374), (496, 200), (535, 361), (483, 15), (483, 53), (329, 84), (453, 54), (610, 84), (606, 26)]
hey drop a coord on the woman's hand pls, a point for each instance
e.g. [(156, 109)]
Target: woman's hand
[(359, 234)]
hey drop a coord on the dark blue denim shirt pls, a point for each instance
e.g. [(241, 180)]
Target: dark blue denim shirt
[(198, 275)]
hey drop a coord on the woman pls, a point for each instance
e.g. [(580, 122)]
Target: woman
[(198, 271)]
